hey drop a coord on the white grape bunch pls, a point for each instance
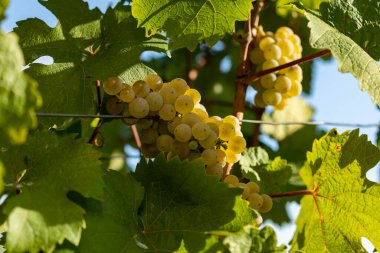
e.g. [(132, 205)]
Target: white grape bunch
[(173, 121), (272, 50)]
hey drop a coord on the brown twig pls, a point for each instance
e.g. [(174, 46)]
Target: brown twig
[(290, 194), (136, 136), (251, 78)]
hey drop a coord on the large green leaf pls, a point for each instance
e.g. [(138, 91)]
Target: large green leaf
[(188, 23), (353, 52), (42, 215), (343, 206), (182, 203), (86, 46), (115, 228), (18, 94)]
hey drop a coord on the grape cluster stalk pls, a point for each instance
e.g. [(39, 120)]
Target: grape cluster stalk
[(173, 121), (272, 50)]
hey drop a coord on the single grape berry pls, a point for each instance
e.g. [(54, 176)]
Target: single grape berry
[(112, 86)]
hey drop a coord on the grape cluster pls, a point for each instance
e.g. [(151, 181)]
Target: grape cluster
[(261, 202), (272, 50), (173, 121)]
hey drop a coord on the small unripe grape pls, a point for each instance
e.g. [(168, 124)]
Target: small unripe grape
[(259, 102), (215, 170), (184, 104), (231, 180), (112, 86), (164, 142), (265, 42), (168, 94), (210, 141), (127, 94), (194, 94), (253, 187), (139, 108), (267, 81), (182, 132), (155, 101), (270, 64), (226, 131), (190, 119), (141, 88), (272, 52), (167, 112), (256, 56), (267, 204), (286, 47), (154, 82), (209, 156), (232, 157), (271, 97), (236, 144), (114, 106), (201, 131), (193, 145), (284, 32), (255, 201), (283, 84), (179, 85)]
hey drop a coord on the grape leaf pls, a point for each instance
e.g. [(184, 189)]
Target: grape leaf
[(115, 228), (86, 46), (18, 93), (3, 6), (188, 23), (344, 205), (42, 215), (296, 109), (252, 240), (182, 203), (351, 57), (270, 175)]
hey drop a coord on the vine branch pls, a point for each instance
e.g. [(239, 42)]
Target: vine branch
[(294, 193)]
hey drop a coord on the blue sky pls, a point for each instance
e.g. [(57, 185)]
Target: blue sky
[(335, 96)]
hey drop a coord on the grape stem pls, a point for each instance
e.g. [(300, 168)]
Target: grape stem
[(251, 78), (97, 129), (136, 136), (294, 193)]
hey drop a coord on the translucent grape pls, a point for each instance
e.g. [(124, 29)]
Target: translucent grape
[(286, 47), (194, 94), (270, 64), (149, 136), (155, 101), (141, 88), (201, 113), (226, 131), (193, 145), (184, 104), (209, 156), (253, 187), (283, 84), (127, 94), (179, 85), (215, 119), (164, 143), (258, 100), (214, 127), (139, 108), (182, 132), (281, 105), (167, 112), (265, 42), (154, 82), (284, 32), (295, 39), (295, 90), (267, 81), (114, 106), (232, 157), (181, 149), (233, 120), (272, 52), (200, 131), (267, 204), (173, 124), (283, 60), (231, 180), (255, 201), (191, 119), (256, 56), (294, 73), (168, 94), (210, 141), (271, 97), (236, 144), (112, 86)]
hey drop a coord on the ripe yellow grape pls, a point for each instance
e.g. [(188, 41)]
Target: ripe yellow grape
[(253, 187), (179, 85), (167, 112), (184, 104), (281, 105), (172, 124), (294, 73), (232, 157), (221, 157), (268, 64), (194, 94), (255, 201), (139, 108), (112, 86), (210, 141), (127, 94), (283, 60), (295, 90), (155, 101), (214, 127), (154, 82), (286, 47), (126, 113), (190, 119), (271, 97), (215, 170), (272, 52), (233, 120), (201, 131), (182, 132), (265, 42), (283, 84), (284, 32), (201, 113), (267, 204), (209, 156), (236, 144), (114, 106), (231, 180), (168, 94), (226, 131), (295, 39), (246, 191), (164, 142), (267, 81), (141, 88), (215, 119)]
